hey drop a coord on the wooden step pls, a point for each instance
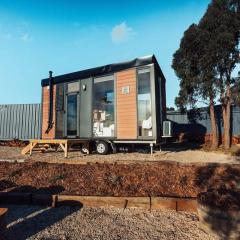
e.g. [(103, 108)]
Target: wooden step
[(26, 149), (29, 148)]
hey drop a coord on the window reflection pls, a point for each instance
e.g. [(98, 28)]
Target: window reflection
[(103, 107), (144, 104), (72, 115)]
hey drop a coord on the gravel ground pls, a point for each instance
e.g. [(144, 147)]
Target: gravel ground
[(33, 222), (75, 157)]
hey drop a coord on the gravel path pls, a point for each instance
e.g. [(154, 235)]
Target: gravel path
[(34, 222)]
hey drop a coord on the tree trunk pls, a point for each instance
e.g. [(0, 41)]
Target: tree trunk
[(227, 127), (213, 125), (226, 112)]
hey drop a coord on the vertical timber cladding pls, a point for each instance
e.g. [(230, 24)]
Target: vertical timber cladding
[(45, 111), (126, 104)]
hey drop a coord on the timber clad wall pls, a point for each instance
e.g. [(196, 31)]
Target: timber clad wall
[(126, 105), (20, 121), (45, 108)]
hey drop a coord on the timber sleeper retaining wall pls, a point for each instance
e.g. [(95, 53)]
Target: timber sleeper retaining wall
[(3, 213), (148, 203)]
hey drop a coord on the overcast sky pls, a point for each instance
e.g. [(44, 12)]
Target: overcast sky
[(67, 36)]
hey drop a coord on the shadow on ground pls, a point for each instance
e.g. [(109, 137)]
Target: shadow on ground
[(33, 219), (221, 221), (180, 147), (23, 222)]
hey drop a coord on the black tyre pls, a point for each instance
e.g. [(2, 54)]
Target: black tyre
[(84, 149), (102, 148)]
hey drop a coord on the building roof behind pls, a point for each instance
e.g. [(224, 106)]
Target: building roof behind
[(103, 70)]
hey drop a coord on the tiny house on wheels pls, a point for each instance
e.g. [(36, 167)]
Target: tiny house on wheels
[(122, 103)]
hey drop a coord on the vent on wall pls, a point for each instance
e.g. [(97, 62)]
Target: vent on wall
[(167, 129)]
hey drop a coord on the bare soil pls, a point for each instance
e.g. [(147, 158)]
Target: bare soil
[(184, 154), (183, 173), (91, 223)]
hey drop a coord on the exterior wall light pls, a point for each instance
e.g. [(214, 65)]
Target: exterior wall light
[(84, 87)]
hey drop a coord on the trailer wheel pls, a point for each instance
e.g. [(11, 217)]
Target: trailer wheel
[(85, 148), (102, 147)]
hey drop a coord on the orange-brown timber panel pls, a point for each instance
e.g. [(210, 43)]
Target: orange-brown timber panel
[(126, 105), (45, 107)]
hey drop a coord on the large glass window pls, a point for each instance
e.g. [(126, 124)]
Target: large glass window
[(144, 104), (103, 107)]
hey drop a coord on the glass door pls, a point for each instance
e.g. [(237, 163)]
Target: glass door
[(144, 104), (103, 107), (72, 115)]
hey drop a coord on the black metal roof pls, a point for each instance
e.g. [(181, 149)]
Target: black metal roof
[(107, 69)]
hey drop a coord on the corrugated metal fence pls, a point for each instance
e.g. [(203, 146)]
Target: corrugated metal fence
[(198, 122), (20, 121)]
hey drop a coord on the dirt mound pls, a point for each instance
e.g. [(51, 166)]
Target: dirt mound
[(156, 179)]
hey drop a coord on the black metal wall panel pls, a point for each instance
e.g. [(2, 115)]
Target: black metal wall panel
[(86, 109), (20, 121)]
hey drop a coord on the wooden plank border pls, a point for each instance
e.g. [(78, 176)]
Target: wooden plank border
[(147, 203), (3, 213)]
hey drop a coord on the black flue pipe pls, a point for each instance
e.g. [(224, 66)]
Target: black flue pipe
[(50, 106)]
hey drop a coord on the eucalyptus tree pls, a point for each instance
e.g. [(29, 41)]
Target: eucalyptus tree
[(222, 22), (206, 59), (196, 74)]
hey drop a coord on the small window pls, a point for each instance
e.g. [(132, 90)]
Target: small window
[(73, 87), (60, 111), (72, 115), (60, 97)]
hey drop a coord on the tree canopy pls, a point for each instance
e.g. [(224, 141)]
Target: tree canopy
[(206, 59)]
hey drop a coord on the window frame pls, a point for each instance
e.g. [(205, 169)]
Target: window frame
[(78, 108), (108, 77), (148, 68)]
